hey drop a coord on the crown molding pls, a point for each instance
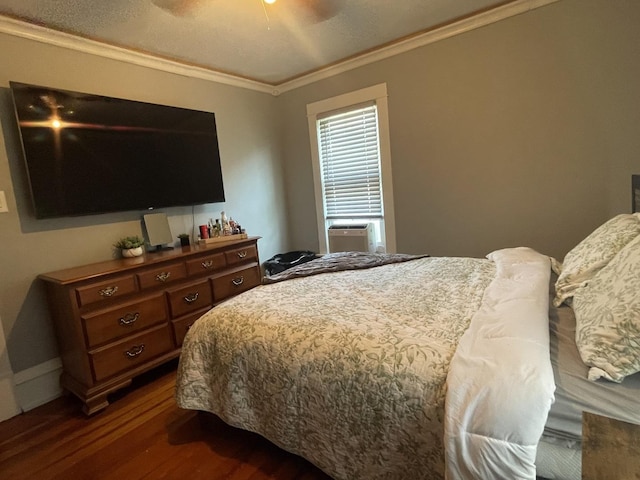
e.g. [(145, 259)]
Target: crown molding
[(38, 33), (41, 34)]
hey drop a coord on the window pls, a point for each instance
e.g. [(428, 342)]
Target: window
[(350, 164), (352, 174)]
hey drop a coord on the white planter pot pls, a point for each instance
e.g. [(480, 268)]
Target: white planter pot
[(132, 252)]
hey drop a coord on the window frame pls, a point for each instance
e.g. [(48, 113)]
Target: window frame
[(375, 94)]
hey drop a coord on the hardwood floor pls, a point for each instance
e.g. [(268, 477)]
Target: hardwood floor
[(141, 435)]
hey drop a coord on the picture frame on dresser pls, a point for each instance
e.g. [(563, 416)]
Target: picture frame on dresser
[(117, 319)]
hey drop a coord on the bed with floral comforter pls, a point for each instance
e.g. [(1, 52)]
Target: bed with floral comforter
[(349, 369)]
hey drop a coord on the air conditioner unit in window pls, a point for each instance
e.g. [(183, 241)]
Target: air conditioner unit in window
[(351, 238)]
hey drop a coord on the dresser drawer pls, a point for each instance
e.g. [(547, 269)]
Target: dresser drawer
[(190, 298), (106, 325), (130, 352), (113, 288), (240, 255), (162, 276), (182, 325), (208, 263), (234, 283)]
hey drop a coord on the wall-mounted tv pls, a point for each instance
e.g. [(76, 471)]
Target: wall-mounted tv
[(88, 154)]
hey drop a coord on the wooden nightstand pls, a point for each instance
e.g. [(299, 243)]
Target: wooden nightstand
[(610, 449)]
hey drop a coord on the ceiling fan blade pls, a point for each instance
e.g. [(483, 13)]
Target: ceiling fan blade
[(312, 10), (320, 10), (178, 8)]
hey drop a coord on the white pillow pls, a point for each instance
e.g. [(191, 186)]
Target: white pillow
[(608, 317), (594, 252)]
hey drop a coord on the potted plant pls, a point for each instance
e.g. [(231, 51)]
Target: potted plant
[(184, 239), (130, 246)]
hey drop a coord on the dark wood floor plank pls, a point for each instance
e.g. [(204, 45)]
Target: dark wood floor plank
[(141, 435)]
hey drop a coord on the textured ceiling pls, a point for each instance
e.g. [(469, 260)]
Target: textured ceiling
[(270, 44)]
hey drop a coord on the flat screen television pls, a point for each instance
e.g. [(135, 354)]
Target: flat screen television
[(87, 154)]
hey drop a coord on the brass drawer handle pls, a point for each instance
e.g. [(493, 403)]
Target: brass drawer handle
[(192, 297), (238, 281), (242, 254), (108, 291), (129, 319), (135, 351), (163, 276), (207, 264)]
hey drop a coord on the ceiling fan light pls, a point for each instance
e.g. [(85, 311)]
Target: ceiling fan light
[(270, 2)]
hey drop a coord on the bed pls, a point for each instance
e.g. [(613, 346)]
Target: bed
[(402, 366)]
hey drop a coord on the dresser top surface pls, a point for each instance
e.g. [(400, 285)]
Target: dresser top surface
[(122, 265)]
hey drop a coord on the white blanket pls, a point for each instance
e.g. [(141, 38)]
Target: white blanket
[(500, 384)]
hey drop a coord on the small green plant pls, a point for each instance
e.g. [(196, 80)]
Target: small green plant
[(183, 235), (126, 243)]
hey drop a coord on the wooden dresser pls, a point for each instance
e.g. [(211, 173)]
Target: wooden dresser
[(119, 318)]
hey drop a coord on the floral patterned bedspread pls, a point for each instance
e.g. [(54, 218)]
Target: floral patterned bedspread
[(354, 379)]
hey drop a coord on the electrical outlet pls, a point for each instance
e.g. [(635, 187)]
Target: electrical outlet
[(3, 203)]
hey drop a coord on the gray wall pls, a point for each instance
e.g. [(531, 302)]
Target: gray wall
[(523, 132), (250, 147)]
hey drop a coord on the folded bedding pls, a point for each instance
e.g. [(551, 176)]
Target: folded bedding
[(338, 262), (500, 383)]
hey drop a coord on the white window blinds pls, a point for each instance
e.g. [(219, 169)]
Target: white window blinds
[(350, 164)]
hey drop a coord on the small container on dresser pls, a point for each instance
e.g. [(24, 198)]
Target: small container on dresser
[(117, 319)]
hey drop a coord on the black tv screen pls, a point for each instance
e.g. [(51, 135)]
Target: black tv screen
[(87, 154)]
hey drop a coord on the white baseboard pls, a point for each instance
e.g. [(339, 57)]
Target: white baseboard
[(38, 385)]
